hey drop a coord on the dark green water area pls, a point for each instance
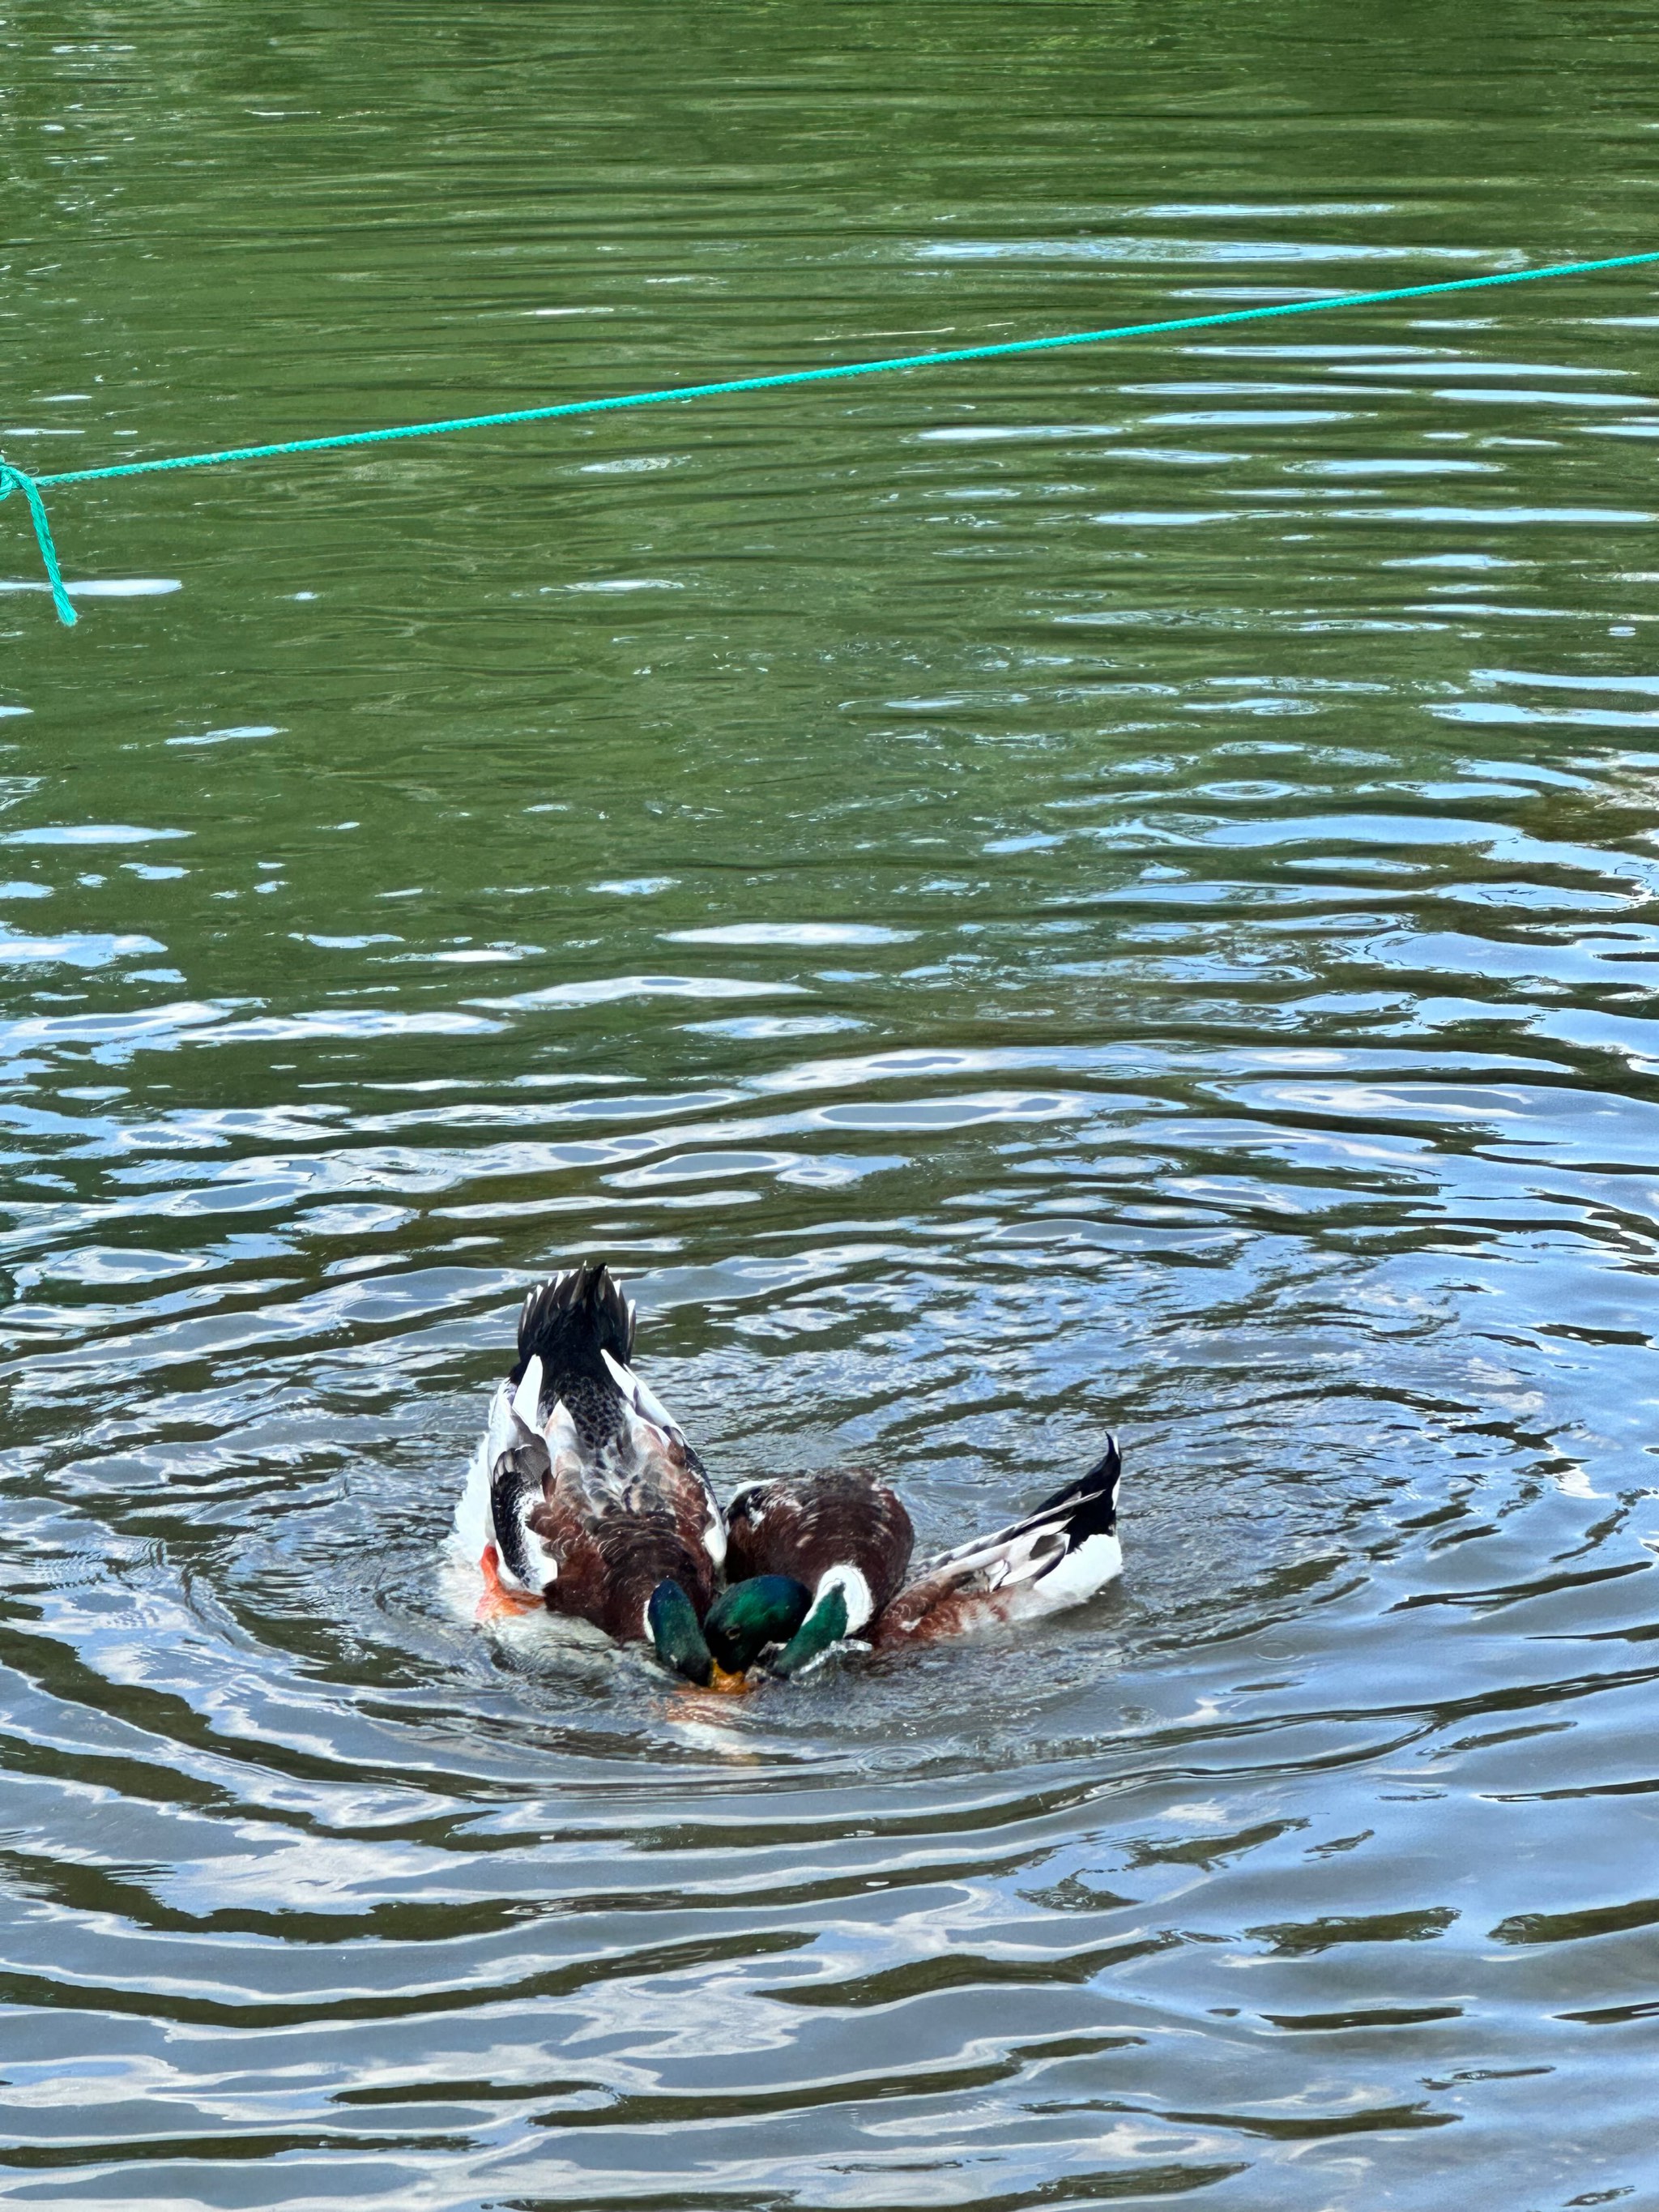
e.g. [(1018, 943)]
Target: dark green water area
[(1105, 889)]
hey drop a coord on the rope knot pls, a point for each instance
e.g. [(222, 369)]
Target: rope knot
[(12, 478)]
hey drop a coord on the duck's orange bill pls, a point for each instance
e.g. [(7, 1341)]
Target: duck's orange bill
[(721, 1684), (499, 1601)]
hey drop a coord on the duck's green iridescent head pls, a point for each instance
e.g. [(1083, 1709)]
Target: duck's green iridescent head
[(679, 1640), (744, 1619), (826, 1624)]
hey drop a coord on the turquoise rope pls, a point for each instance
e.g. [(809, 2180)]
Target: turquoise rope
[(14, 478)]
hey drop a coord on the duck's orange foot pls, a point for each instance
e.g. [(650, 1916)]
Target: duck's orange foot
[(499, 1601)]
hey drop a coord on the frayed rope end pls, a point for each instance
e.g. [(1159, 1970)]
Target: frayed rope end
[(13, 478)]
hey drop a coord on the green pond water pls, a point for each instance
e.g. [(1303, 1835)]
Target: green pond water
[(1104, 889)]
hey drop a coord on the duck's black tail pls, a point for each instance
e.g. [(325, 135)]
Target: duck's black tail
[(1089, 1505), (1042, 1537), (569, 1323)]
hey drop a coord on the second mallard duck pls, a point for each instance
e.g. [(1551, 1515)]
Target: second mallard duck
[(812, 1560)]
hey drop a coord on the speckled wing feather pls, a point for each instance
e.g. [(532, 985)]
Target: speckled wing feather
[(805, 1525)]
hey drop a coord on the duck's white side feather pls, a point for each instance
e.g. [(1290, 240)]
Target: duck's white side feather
[(561, 1430), (526, 1398), (641, 1397), (1086, 1568), (714, 1533), (474, 1527)]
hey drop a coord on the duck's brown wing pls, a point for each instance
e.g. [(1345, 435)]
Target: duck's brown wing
[(569, 1549), (617, 1523), (804, 1525)]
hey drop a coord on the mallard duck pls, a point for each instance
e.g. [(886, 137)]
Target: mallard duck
[(584, 1496), (813, 1559)]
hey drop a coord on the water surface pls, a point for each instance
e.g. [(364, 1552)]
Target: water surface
[(1103, 889)]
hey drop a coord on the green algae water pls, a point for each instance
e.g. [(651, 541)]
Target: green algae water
[(1097, 890)]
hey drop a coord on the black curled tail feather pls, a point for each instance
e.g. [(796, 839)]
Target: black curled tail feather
[(571, 1321), (1079, 1509), (1090, 1502)]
